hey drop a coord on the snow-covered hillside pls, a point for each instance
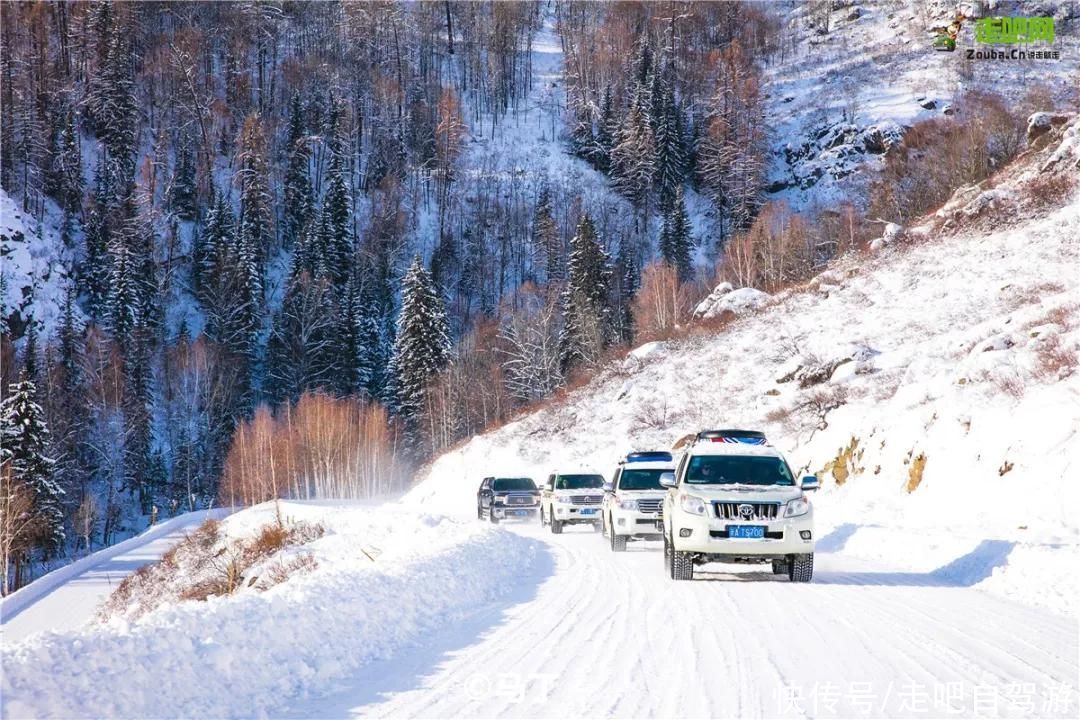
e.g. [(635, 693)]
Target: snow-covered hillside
[(882, 75), (944, 413)]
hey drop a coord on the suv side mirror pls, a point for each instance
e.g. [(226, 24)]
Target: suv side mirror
[(810, 482), (667, 479), (608, 487)]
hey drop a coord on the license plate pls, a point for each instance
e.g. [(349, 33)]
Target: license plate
[(749, 532), (517, 513), (587, 511)]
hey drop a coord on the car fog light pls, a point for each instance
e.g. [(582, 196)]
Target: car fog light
[(805, 534), (620, 521), (685, 532)]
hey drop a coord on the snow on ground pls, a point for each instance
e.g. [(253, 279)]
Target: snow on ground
[(385, 578), (66, 598), (939, 355)]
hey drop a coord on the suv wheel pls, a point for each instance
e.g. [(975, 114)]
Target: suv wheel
[(479, 513), (618, 542), (801, 567), (779, 567), (541, 513), (556, 526), (669, 560), (682, 568), (491, 516)]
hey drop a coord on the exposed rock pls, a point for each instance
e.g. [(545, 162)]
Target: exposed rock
[(927, 104), (725, 299)]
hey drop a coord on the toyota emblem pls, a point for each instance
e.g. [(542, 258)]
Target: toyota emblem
[(746, 511)]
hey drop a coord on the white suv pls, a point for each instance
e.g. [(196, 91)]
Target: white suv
[(733, 499), (570, 499), (634, 497)]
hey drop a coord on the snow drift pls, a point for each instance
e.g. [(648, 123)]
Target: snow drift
[(242, 655)]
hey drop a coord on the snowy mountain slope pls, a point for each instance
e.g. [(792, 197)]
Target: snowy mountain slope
[(33, 265), (246, 654), (838, 100), (950, 361)]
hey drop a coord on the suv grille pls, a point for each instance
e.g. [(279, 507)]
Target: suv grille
[(746, 510), (520, 500), (650, 506), (587, 499)]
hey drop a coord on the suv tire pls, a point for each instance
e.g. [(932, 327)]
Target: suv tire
[(682, 568), (801, 567), (556, 527), (491, 516), (618, 542)]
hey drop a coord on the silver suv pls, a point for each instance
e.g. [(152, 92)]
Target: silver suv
[(634, 497)]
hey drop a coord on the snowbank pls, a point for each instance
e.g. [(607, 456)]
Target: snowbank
[(385, 578)]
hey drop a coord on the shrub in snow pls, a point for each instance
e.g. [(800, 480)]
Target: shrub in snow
[(207, 564)]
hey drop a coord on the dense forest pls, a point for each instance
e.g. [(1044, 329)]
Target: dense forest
[(290, 267)]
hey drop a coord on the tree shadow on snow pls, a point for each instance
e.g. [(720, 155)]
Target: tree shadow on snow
[(377, 681)]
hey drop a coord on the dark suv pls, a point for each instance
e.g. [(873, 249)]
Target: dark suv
[(502, 498)]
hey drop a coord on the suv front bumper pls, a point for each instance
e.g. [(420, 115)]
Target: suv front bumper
[(635, 522), (503, 512), (707, 536), (568, 513)]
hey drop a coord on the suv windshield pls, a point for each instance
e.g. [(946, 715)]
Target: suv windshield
[(579, 482), (506, 484), (641, 479), (744, 469)]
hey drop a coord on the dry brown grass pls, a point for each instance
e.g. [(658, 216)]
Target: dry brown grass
[(846, 462), (1055, 361), (205, 564), (916, 468), (1049, 191)]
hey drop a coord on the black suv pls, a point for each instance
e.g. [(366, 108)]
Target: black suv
[(501, 498)]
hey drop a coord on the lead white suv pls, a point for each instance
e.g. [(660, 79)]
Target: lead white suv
[(633, 499), (733, 499), (571, 499)]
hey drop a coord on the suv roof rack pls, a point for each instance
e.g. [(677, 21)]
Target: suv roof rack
[(746, 437), (647, 456)]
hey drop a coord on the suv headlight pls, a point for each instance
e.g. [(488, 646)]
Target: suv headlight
[(564, 499), (796, 507), (628, 504), (692, 504)]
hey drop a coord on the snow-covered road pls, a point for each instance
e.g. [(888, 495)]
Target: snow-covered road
[(588, 633), (68, 597)]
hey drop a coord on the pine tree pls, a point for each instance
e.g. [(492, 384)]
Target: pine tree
[(94, 270), (670, 156), (183, 195), (213, 253), (298, 201), (301, 350), (633, 158), (606, 132), (546, 238), (256, 230), (112, 99), (65, 180), (26, 440), (123, 300), (337, 242), (422, 347), (587, 313), (675, 240)]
